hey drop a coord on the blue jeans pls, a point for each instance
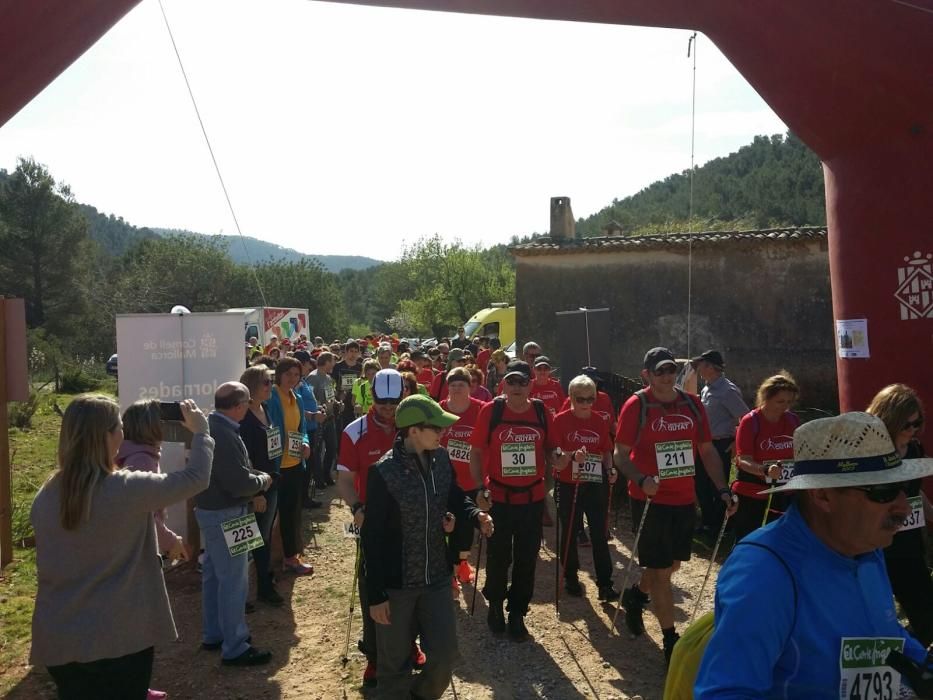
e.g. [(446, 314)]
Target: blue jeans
[(224, 584)]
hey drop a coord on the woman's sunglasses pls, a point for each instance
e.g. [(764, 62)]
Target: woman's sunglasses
[(882, 493), (584, 399)]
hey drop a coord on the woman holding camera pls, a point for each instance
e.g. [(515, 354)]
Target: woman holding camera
[(101, 604)]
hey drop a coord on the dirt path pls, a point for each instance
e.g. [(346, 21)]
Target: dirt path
[(573, 658)]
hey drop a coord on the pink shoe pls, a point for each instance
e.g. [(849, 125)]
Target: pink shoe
[(156, 695), (297, 567), (465, 572)]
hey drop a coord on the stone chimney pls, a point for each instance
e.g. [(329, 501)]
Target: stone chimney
[(563, 226)]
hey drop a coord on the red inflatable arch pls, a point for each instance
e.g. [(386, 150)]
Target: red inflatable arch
[(853, 78)]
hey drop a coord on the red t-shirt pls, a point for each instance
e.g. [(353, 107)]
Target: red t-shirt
[(514, 452), (482, 359), (592, 433), (670, 436), (762, 441), (602, 408), (362, 443), (551, 393), (438, 388), (425, 376), (456, 440)]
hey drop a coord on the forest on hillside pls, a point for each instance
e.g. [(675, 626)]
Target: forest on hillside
[(77, 267)]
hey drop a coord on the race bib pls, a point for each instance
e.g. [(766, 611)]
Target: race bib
[(329, 393), (591, 471), (862, 673), (295, 444), (787, 469), (459, 451), (675, 458), (242, 534), (519, 459), (916, 518), (273, 442), (346, 381), (351, 531)]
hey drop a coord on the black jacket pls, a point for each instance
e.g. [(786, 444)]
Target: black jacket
[(403, 539)]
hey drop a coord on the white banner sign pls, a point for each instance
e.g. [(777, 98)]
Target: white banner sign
[(170, 357)]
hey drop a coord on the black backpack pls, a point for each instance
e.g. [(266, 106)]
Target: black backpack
[(498, 410), (642, 394)]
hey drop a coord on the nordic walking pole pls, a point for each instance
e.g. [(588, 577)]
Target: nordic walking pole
[(608, 509), (479, 556), (557, 550), (712, 559), (571, 533), (356, 573), (764, 518), (631, 561)]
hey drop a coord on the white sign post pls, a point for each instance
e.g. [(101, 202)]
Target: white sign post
[(170, 357)]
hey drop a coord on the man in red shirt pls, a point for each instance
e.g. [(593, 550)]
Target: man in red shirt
[(512, 443), (660, 431), (426, 373), (362, 443), (584, 471), (545, 388)]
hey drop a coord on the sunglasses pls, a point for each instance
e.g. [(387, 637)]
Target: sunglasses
[(516, 381), (914, 425), (387, 402), (584, 399), (666, 369), (882, 493)]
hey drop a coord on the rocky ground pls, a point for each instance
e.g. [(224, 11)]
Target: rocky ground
[(570, 657)]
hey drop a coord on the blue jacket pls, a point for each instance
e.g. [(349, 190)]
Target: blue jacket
[(277, 418), (765, 646), (306, 394)]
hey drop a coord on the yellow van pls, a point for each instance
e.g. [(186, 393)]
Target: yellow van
[(498, 321)]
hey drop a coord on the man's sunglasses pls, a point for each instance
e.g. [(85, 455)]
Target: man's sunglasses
[(914, 425), (584, 399), (882, 493), (387, 402), (516, 381), (666, 369)]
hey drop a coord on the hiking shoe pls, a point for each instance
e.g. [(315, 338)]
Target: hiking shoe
[(634, 601), (369, 675), (517, 630), (573, 586), (465, 572), (495, 618), (669, 641), (156, 694), (297, 567), (250, 657), (608, 593), (271, 597), (418, 659)]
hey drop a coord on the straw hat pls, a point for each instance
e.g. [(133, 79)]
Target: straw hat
[(853, 449)]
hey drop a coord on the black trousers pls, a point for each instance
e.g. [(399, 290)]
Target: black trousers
[(515, 543), (123, 678), (324, 453), (913, 589), (712, 507), (592, 500), (290, 501)]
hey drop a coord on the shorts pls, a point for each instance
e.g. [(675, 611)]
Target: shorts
[(667, 535)]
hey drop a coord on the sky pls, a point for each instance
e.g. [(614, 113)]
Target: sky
[(343, 129)]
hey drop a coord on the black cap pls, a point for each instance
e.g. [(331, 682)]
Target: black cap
[(542, 360), (519, 367), (302, 355), (656, 357), (714, 357)]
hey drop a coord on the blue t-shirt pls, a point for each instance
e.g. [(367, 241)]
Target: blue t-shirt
[(306, 394), (762, 647)]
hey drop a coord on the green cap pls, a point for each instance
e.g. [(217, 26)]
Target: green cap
[(419, 409)]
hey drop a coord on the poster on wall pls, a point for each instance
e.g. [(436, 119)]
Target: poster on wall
[(852, 338), (170, 357)]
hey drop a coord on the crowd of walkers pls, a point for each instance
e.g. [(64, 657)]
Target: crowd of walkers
[(440, 452)]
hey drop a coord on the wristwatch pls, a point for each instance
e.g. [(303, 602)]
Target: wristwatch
[(725, 491), (558, 452), (641, 480)]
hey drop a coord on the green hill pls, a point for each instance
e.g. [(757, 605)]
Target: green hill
[(774, 181)]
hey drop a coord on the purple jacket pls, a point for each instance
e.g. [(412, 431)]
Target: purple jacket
[(145, 458)]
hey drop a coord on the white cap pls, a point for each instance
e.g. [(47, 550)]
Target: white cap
[(387, 384)]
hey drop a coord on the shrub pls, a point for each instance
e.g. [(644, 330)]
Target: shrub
[(22, 412)]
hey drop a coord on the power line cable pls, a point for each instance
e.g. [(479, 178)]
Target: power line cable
[(220, 177)]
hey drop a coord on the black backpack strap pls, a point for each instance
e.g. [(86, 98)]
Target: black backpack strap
[(787, 568), (440, 387), (498, 410), (686, 398), (541, 411), (642, 413)]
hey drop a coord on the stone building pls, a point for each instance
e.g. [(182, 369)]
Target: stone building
[(761, 297)]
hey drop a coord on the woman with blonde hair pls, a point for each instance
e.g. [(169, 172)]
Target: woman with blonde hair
[(101, 604), (764, 452), (899, 407)]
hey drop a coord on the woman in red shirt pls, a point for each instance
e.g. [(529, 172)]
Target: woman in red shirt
[(764, 446)]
